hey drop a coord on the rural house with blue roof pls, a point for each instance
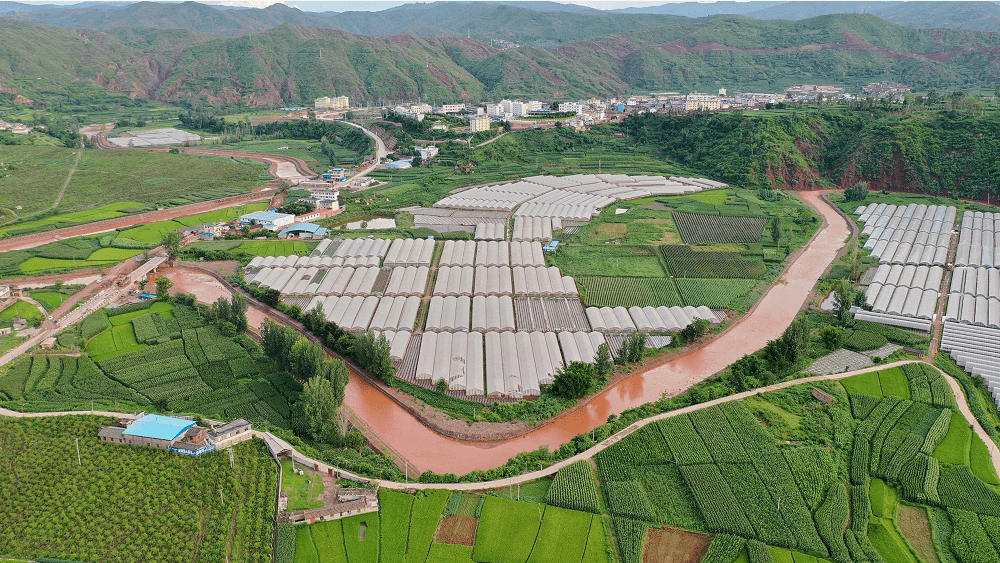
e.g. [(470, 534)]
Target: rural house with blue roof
[(180, 435)]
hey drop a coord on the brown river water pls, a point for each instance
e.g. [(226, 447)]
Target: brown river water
[(427, 449)]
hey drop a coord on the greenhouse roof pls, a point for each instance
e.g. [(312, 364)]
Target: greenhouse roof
[(159, 427)]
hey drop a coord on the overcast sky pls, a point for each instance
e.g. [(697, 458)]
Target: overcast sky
[(343, 6)]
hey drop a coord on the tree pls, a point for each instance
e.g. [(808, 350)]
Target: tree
[(320, 406), (842, 296), (634, 347), (747, 373), (857, 191), (163, 285), (831, 337), (603, 366), (417, 161), (693, 331), (441, 385), (373, 354), (573, 381), (172, 242), (776, 229)]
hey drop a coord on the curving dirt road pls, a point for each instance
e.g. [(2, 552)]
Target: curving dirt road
[(38, 239)]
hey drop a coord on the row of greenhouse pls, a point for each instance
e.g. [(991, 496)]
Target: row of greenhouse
[(559, 211), (486, 312), (977, 350), (458, 253), (924, 277), (503, 253), (901, 300), (979, 240), (502, 364), (408, 280), (410, 252), (647, 319), (316, 281), (353, 247), (905, 216), (893, 252), (547, 196), (912, 323), (489, 231), (293, 261), (543, 281), (976, 281), (534, 228), (359, 313), (973, 309)]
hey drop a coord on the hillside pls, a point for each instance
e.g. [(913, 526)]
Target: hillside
[(293, 64)]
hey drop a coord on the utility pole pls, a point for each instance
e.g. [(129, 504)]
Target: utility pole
[(79, 461), (221, 497)]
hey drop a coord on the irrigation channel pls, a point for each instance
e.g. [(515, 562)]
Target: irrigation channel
[(426, 449), (277, 445)]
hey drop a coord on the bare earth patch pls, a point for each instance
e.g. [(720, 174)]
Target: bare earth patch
[(671, 545), (457, 530), (613, 230), (917, 530)]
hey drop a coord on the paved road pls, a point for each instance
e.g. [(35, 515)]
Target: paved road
[(380, 150), (277, 445)]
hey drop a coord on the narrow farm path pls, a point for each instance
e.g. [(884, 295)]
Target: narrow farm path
[(277, 445), (62, 192)]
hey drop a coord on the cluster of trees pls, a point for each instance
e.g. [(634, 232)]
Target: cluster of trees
[(231, 316), (857, 191), (297, 207), (369, 352), (324, 380), (773, 362)]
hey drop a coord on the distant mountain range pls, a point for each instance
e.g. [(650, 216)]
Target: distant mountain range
[(540, 24), (293, 63)]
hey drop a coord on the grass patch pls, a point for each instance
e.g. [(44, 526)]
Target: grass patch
[(864, 384), (328, 540), (980, 462), (888, 541), (609, 260), (955, 446), (894, 383), (21, 310), (304, 491), (361, 537), (447, 553)]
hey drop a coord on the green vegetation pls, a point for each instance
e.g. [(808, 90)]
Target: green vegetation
[(116, 484), (628, 292), (109, 184), (304, 491), (686, 262), (614, 261), (574, 487), (709, 229), (714, 293)]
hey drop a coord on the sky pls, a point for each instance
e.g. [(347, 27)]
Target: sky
[(351, 5)]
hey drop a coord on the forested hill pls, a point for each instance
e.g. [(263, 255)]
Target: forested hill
[(937, 151), (293, 64)]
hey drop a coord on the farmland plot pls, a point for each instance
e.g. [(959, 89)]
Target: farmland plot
[(713, 293), (697, 228), (507, 530), (629, 292), (685, 262)]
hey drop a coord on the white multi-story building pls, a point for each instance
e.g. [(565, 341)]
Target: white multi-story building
[(571, 106), (479, 123), (702, 102), (426, 153), (451, 108), (495, 110), (420, 108), (340, 102)]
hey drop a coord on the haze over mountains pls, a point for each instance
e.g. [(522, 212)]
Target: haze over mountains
[(540, 24), (199, 55)]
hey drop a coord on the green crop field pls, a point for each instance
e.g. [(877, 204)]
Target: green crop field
[(614, 261), (685, 262), (154, 232), (104, 178), (628, 292), (955, 446), (51, 300), (155, 354), (713, 293), (507, 530), (709, 229), (151, 493), (20, 310)]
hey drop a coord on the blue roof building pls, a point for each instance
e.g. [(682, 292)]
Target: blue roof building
[(312, 230), (158, 427)]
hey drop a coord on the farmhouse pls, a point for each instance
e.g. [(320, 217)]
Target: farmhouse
[(178, 435), (267, 219)]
